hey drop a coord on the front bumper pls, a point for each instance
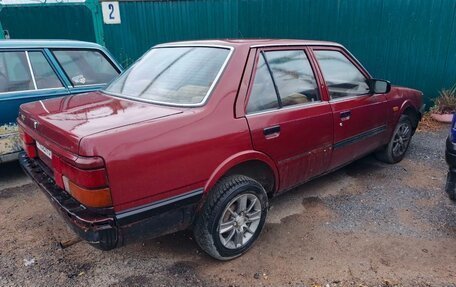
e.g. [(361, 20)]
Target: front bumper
[(109, 230), (422, 110), (98, 229)]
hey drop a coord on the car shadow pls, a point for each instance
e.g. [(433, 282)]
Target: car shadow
[(182, 246), (12, 175)]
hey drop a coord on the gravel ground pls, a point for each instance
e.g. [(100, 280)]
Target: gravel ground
[(369, 224)]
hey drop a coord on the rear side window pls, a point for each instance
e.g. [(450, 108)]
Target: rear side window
[(45, 76), (282, 75), (86, 67), (293, 76), (15, 72), (342, 77), (263, 96)]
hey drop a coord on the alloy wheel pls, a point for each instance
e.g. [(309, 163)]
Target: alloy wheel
[(240, 220), (401, 139)]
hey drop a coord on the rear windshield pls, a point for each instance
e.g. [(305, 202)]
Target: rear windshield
[(172, 75)]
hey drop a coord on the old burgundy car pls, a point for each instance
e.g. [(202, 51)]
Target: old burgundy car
[(201, 134)]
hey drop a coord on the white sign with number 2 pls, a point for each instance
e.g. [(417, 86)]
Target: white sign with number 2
[(111, 12)]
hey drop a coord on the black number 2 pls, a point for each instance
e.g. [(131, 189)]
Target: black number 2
[(111, 8)]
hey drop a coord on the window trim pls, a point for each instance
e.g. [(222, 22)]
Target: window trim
[(261, 52), (292, 107), (31, 69), (72, 86), (29, 91), (211, 88), (63, 86)]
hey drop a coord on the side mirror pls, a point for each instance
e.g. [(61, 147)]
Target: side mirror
[(379, 86)]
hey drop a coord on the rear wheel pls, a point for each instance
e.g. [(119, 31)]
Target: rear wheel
[(232, 217), (395, 150)]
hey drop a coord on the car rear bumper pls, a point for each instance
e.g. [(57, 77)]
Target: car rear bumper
[(422, 110), (9, 157), (99, 230), (110, 230)]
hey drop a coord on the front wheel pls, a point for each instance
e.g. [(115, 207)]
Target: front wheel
[(395, 150), (232, 217)]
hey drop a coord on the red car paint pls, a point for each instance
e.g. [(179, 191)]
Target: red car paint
[(155, 152)]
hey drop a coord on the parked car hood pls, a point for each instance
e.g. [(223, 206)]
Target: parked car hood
[(67, 120)]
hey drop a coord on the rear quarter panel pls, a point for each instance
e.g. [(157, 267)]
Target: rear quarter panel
[(166, 157), (153, 160)]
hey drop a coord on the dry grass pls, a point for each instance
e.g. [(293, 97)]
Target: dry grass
[(428, 124), (445, 103)]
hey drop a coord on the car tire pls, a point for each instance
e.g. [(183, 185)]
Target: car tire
[(232, 217), (395, 150)]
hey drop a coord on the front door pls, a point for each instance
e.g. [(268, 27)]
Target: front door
[(287, 117), (359, 116)]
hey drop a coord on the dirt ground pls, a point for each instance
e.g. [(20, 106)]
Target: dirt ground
[(369, 224)]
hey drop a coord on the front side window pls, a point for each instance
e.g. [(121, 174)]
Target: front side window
[(15, 72), (86, 67), (172, 75), (293, 76), (45, 76), (342, 77)]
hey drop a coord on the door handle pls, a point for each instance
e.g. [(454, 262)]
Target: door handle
[(271, 130), (345, 115)]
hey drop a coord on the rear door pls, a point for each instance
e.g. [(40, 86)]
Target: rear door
[(288, 119), (359, 116)]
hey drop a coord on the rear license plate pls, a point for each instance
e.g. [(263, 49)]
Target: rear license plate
[(44, 150)]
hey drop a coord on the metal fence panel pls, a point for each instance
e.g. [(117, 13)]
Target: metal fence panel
[(410, 42), (48, 22), (146, 23)]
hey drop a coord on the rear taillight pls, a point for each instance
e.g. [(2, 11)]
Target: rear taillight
[(88, 178), (100, 197), (89, 186), (28, 143), (84, 178)]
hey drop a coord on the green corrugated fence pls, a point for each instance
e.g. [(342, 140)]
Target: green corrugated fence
[(409, 42)]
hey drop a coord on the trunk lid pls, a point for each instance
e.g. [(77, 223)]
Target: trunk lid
[(67, 120)]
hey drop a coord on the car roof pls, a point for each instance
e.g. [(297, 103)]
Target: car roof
[(252, 43), (24, 44)]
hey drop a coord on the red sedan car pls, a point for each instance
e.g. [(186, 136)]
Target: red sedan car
[(201, 134)]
